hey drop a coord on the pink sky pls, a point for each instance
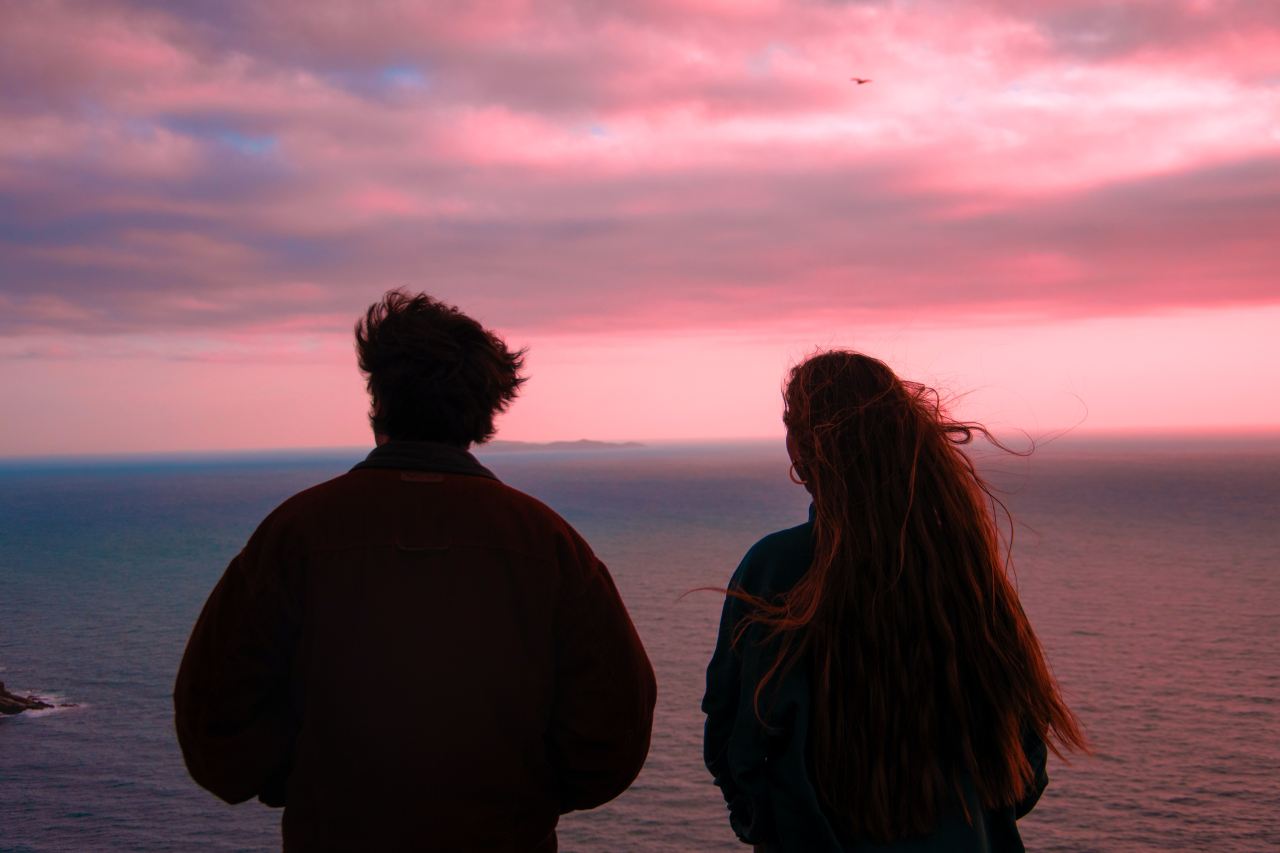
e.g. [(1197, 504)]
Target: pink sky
[(1068, 210)]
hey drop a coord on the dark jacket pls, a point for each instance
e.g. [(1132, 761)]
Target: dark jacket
[(413, 655), (763, 774)]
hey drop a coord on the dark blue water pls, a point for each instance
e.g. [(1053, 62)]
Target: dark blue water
[(1151, 571)]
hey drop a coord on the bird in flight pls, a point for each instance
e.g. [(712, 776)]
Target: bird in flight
[(860, 80)]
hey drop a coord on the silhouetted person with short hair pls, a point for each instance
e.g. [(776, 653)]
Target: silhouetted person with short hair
[(414, 655)]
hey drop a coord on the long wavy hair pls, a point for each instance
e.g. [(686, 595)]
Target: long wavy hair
[(924, 666)]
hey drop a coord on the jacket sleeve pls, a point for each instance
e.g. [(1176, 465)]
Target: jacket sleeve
[(232, 697), (733, 745), (1037, 755), (602, 714)]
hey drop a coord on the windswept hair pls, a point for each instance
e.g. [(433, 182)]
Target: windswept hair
[(924, 666), (434, 374)]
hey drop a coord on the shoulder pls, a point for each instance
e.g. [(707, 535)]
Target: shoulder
[(362, 505), (356, 487), (776, 562), (529, 507), (298, 508), (783, 544), (513, 510), (520, 522), (306, 505)]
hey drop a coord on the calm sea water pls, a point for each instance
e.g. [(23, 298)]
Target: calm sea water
[(1150, 569)]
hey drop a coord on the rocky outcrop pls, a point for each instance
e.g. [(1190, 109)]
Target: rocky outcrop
[(11, 704)]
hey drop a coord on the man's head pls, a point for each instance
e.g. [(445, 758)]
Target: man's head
[(434, 373)]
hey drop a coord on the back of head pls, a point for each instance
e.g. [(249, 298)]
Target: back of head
[(925, 668), (847, 412), (434, 374)]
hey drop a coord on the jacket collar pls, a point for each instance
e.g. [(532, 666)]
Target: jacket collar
[(425, 456)]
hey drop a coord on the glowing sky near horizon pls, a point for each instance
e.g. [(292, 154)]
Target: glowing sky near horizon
[(1068, 211)]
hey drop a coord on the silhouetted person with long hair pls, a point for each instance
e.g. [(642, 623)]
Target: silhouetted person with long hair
[(876, 684), (414, 655)]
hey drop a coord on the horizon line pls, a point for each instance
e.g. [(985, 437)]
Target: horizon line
[(1254, 431)]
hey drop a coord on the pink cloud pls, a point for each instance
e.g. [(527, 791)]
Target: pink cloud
[(696, 164)]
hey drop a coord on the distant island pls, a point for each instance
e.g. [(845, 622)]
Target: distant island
[(580, 444)]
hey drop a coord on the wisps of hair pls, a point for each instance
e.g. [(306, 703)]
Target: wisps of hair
[(925, 668), (434, 374)]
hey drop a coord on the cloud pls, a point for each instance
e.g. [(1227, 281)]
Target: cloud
[(674, 164), (1181, 29)]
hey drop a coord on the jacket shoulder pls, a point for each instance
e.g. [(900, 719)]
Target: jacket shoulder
[(350, 486), (522, 512), (530, 506), (774, 563), (303, 505), (494, 513)]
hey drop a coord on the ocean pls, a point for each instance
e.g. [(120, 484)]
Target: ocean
[(1149, 567)]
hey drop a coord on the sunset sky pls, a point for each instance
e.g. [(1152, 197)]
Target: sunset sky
[(1067, 211)]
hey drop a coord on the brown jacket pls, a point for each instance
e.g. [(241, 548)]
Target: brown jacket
[(413, 655)]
